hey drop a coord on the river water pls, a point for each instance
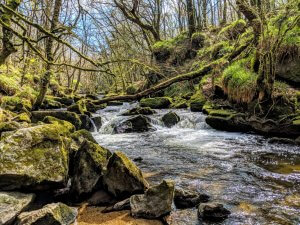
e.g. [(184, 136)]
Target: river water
[(259, 182)]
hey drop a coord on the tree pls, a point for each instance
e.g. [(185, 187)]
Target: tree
[(191, 17)]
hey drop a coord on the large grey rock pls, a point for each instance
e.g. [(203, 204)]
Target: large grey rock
[(12, 204), (119, 206), (212, 212), (123, 178), (97, 122), (35, 158), (170, 119), (155, 203), (51, 214), (88, 166), (139, 111), (188, 199), (133, 124)]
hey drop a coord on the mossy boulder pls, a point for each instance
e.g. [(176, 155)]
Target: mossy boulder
[(35, 158), (233, 30), (197, 102), (15, 103), (208, 107), (12, 204), (123, 178), (97, 122), (156, 103), (155, 203), (9, 126), (62, 115), (50, 103), (92, 106), (131, 90), (89, 164), (198, 40), (54, 213), (139, 111), (79, 107), (162, 51), (137, 123), (67, 101), (22, 117), (78, 138), (8, 85), (6, 115), (170, 119), (86, 122)]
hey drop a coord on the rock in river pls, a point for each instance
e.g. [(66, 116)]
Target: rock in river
[(155, 203), (212, 212), (123, 178), (139, 111), (51, 214), (170, 119), (187, 199), (12, 204), (35, 158), (134, 124), (156, 103)]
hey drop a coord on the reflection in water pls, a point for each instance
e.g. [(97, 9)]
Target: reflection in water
[(259, 182)]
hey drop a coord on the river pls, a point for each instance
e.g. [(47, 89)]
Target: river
[(259, 182)]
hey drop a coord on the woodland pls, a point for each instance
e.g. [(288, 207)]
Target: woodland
[(133, 111)]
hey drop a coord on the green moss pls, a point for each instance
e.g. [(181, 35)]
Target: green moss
[(63, 127), (198, 40), (98, 153), (15, 103), (233, 30), (208, 107), (131, 90), (197, 101), (81, 135), (221, 113), (156, 103), (8, 85), (79, 107), (23, 117)]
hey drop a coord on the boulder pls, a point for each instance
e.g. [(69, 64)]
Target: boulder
[(9, 126), (88, 167), (155, 203), (85, 122), (197, 102), (64, 100), (55, 213), (170, 119), (93, 107), (123, 178), (139, 111), (188, 199), (137, 123), (156, 103), (114, 103), (12, 204), (97, 122), (119, 206), (78, 107), (101, 198), (214, 212), (35, 158), (297, 140), (22, 117), (277, 140), (49, 103), (63, 115), (181, 217)]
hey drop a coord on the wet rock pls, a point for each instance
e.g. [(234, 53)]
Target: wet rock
[(181, 217), (93, 107), (123, 205), (50, 103), (114, 103), (188, 199), (62, 115), (138, 159), (170, 119), (35, 158), (139, 111), (180, 105), (12, 204), (133, 124), (101, 198), (88, 166), (281, 140), (97, 121), (297, 140), (55, 213), (123, 177), (156, 103), (214, 212), (81, 135), (64, 100), (85, 122), (155, 203), (197, 105), (79, 107)]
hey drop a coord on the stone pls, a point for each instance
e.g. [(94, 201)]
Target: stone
[(155, 203), (170, 119), (50, 103), (139, 111), (297, 140), (55, 213), (101, 198), (181, 217), (281, 141), (93, 107), (71, 117), (123, 205), (78, 107), (22, 117), (137, 123), (97, 121), (64, 100), (35, 158), (12, 204), (88, 166), (213, 211), (85, 122), (114, 103), (123, 178), (9, 126), (188, 199), (156, 103)]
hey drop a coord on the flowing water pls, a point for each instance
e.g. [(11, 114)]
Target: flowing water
[(257, 181)]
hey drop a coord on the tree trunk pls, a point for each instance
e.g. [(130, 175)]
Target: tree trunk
[(191, 17), (49, 54)]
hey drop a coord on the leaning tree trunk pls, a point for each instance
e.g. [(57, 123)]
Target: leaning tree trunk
[(7, 45), (191, 17), (45, 80)]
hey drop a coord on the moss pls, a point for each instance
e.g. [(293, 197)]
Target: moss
[(63, 127), (197, 101), (208, 107), (156, 103), (296, 122), (239, 82), (79, 107), (98, 153), (9, 126), (81, 135), (8, 85), (233, 30), (198, 40), (131, 90), (221, 113), (15, 103), (23, 117)]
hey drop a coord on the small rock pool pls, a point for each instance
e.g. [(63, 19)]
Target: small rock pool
[(259, 182)]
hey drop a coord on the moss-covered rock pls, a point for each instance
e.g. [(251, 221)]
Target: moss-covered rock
[(54, 213), (79, 107), (197, 102), (137, 123), (35, 158), (12, 204), (156, 103), (22, 117), (139, 111), (86, 122), (170, 119), (8, 84), (233, 30), (89, 165), (198, 40), (80, 135), (6, 115), (208, 107), (155, 203), (15, 103), (123, 178), (67, 101), (9, 126), (50, 103), (131, 90), (62, 115), (97, 122), (92, 106)]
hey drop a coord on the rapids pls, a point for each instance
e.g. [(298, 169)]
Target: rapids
[(259, 182)]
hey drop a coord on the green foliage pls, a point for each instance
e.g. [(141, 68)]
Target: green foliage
[(216, 51), (239, 82)]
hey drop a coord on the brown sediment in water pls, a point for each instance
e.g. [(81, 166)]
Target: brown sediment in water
[(94, 216)]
